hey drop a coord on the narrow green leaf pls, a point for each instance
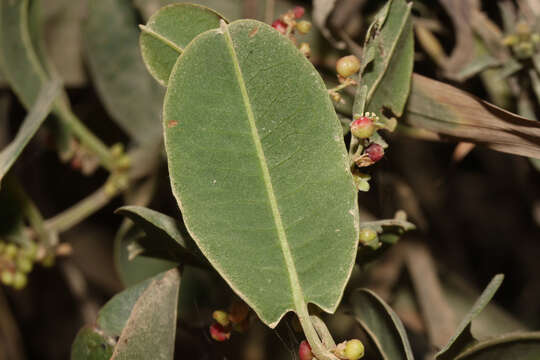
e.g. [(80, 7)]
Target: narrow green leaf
[(38, 113), (453, 114), (150, 330), (169, 31), (382, 325), (522, 346), (165, 236), (20, 62), (91, 344), (463, 336), (390, 43), (274, 190), (130, 95), (140, 268)]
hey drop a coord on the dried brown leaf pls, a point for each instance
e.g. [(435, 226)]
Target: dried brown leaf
[(456, 115)]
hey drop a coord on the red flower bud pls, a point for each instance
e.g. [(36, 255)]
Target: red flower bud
[(218, 332), (375, 152), (299, 12), (280, 26), (362, 127), (304, 351)]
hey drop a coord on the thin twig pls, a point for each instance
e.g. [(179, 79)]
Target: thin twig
[(10, 336)]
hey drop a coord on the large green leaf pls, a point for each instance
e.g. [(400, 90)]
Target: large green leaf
[(130, 95), (463, 337), (138, 323), (259, 169), (522, 346), (169, 31), (38, 113), (165, 237), (382, 325), (387, 62)]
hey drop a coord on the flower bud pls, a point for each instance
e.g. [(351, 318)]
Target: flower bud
[(24, 265), (280, 26), (304, 351), (19, 280), (362, 127), (6, 277), (367, 235), (375, 152), (10, 251), (299, 11), (305, 49), (221, 317), (348, 65), (354, 349), (219, 333), (303, 27)]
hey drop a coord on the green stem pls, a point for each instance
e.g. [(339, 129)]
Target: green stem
[(317, 347), (33, 214), (80, 211), (86, 137)]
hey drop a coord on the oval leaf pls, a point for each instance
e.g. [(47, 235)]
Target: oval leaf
[(130, 95), (522, 346), (382, 325), (91, 344), (150, 330), (169, 31), (138, 323), (274, 190)]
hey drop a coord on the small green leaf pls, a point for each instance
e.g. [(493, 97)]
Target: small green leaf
[(150, 331), (165, 236), (140, 268), (463, 337), (169, 31), (130, 95), (275, 187), (142, 318), (388, 62), (382, 325), (522, 346), (91, 344), (38, 113)]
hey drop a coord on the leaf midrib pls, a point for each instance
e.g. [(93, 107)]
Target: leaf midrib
[(298, 296), (162, 38)]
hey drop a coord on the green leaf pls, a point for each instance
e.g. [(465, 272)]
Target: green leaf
[(91, 344), (129, 94), (463, 336), (274, 187), (150, 331), (38, 113), (522, 346), (390, 44), (382, 325), (140, 268), (142, 318), (20, 62), (450, 113), (169, 31), (165, 236)]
